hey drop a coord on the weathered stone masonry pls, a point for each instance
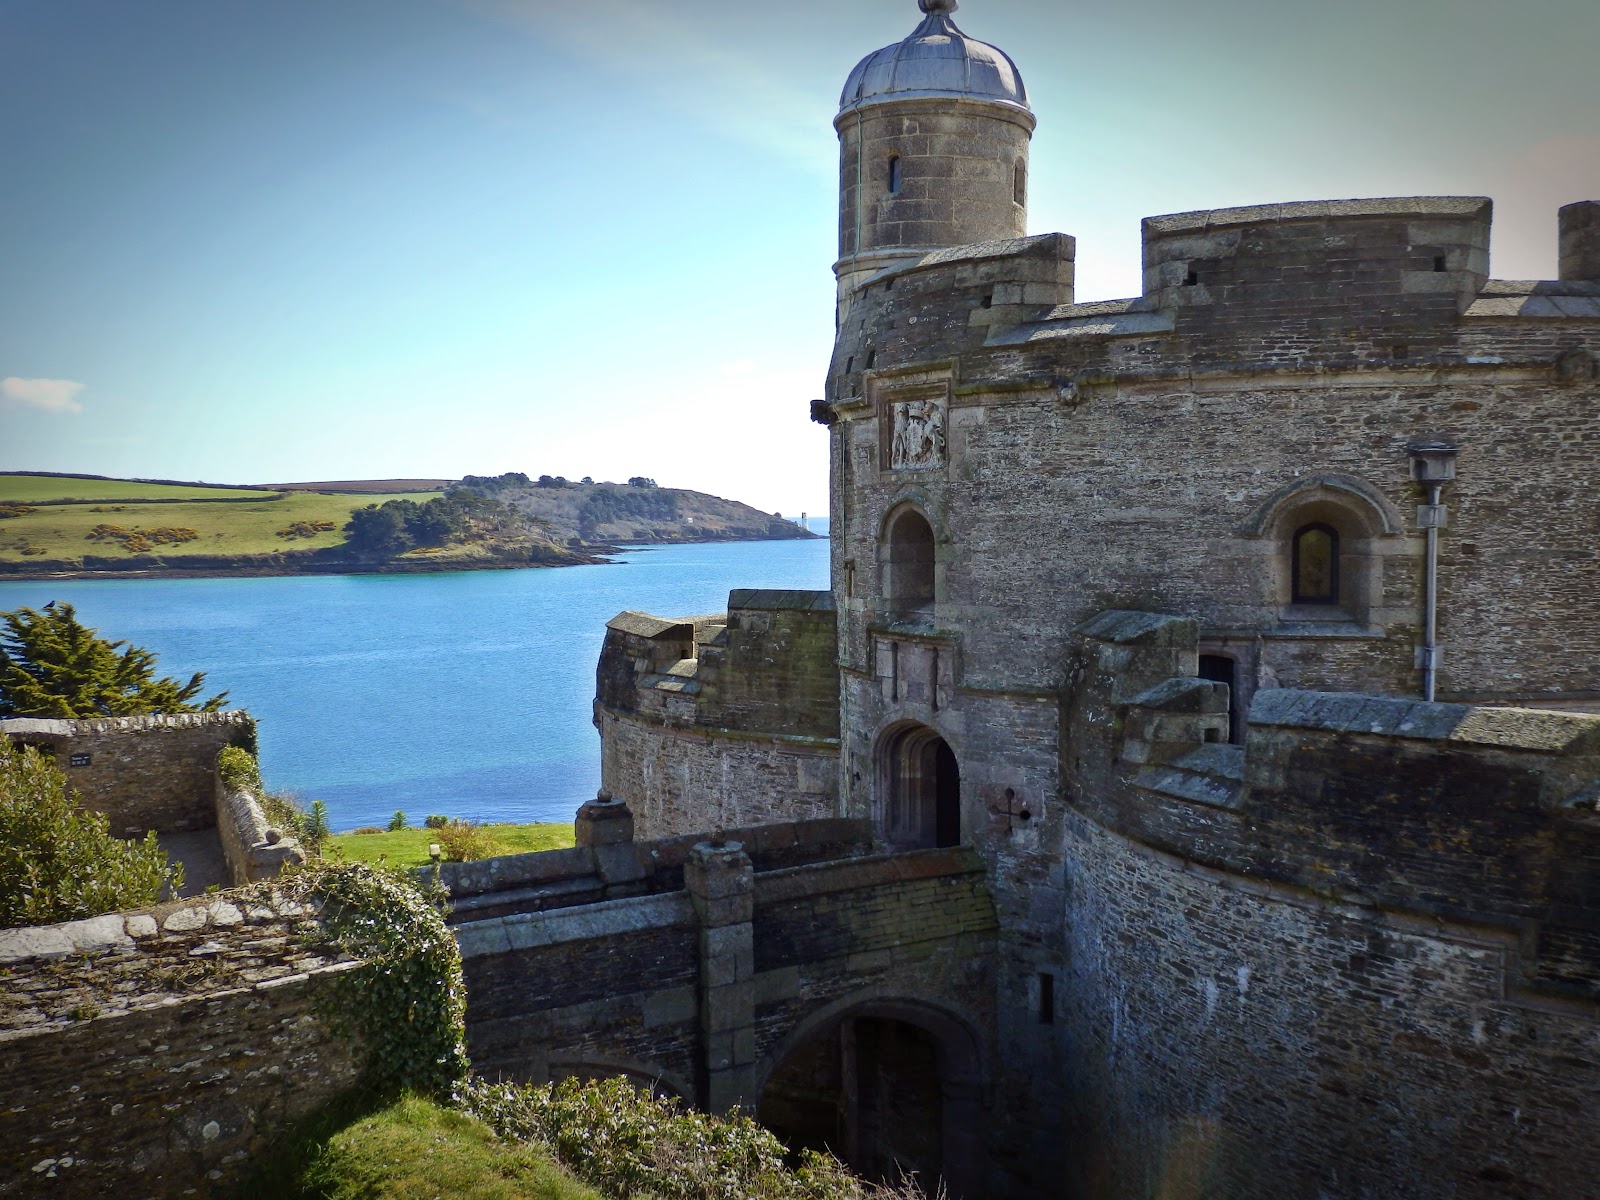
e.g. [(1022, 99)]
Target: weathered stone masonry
[(144, 773), (155, 1053), (722, 721)]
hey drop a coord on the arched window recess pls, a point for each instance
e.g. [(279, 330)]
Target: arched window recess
[(1314, 569)]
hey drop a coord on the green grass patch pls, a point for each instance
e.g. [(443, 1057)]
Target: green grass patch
[(62, 532), (31, 489), (410, 1149), (409, 847)]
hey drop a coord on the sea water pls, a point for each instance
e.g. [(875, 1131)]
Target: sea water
[(466, 693)]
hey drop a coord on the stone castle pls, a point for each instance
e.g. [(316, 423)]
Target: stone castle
[(1189, 786), (1244, 630)]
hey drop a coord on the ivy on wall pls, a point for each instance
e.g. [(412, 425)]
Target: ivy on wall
[(407, 1002)]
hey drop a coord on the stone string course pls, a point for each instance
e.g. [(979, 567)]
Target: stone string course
[(157, 1052)]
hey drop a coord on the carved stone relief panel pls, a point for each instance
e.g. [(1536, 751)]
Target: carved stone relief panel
[(913, 426)]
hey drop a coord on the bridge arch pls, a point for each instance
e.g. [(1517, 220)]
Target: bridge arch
[(891, 1084)]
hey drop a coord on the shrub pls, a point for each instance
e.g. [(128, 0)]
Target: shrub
[(464, 841), (397, 822), (435, 821), (306, 529), (314, 825), (15, 510), (626, 1143), (58, 861), (239, 770)]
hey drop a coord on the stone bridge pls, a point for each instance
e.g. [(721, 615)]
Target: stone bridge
[(844, 995)]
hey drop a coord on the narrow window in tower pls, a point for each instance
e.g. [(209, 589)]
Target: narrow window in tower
[(1019, 182), (1316, 565), (1047, 998), (894, 175)]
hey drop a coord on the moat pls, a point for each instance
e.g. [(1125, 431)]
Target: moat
[(464, 693)]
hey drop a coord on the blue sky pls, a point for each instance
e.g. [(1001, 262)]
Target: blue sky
[(313, 239)]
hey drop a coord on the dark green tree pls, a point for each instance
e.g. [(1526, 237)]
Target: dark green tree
[(51, 665), (58, 861), (379, 531)]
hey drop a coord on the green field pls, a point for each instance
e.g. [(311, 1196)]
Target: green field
[(409, 847), (230, 523), (31, 489)]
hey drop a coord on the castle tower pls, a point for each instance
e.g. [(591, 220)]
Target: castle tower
[(933, 148)]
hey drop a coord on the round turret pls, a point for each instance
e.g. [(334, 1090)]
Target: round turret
[(933, 147)]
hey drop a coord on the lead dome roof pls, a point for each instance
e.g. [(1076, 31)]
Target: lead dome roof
[(937, 59)]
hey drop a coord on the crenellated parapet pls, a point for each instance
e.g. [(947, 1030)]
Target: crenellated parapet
[(722, 720), (1472, 815), (1363, 284)]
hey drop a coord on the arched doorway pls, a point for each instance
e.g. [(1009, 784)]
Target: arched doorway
[(919, 785), (890, 1087)]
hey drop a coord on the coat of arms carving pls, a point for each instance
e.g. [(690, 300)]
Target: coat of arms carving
[(917, 435)]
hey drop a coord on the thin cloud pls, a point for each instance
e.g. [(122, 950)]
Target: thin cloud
[(48, 395), (718, 84)]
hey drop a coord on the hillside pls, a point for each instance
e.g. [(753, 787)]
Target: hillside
[(634, 513), (56, 524)]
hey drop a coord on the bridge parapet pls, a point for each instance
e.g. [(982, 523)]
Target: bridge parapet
[(727, 959)]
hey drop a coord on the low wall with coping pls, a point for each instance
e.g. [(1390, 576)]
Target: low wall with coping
[(251, 847), (155, 1053)]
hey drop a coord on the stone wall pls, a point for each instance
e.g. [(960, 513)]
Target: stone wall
[(716, 722), (1092, 453), (1355, 956), (681, 780), (698, 967), (251, 847), (144, 773), (154, 1053)]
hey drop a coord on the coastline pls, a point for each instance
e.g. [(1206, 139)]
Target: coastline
[(266, 566)]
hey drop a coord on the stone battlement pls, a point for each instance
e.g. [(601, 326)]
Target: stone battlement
[(1483, 817), (743, 705), (1361, 283)]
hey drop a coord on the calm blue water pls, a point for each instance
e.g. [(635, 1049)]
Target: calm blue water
[(466, 693)]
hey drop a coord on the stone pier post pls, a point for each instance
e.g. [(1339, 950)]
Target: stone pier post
[(721, 881), (604, 825)]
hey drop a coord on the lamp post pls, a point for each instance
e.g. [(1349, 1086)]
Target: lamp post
[(1433, 464)]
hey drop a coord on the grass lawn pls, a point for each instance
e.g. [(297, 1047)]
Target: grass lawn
[(413, 1149), (409, 847), (30, 489), (225, 527)]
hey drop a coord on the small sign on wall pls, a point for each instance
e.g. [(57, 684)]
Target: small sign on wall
[(79, 760)]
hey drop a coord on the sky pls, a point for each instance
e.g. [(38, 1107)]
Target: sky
[(256, 242)]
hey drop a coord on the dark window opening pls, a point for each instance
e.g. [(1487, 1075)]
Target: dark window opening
[(872, 357), (1191, 279), (894, 176), (1438, 262), (1047, 998), (911, 564), (1402, 351), (850, 364), (1019, 182), (888, 285), (1220, 668), (987, 300), (1315, 565)]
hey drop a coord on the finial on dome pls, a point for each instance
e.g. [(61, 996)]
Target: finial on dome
[(938, 6)]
